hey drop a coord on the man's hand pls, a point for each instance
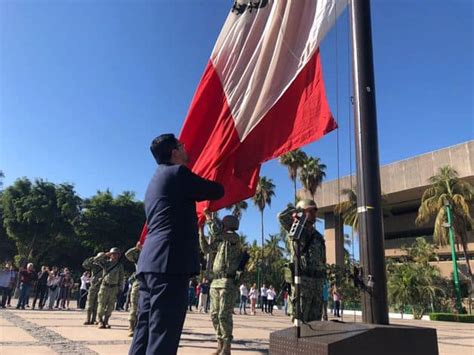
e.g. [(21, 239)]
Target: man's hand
[(207, 213)]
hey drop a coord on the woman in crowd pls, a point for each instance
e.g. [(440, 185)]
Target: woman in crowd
[(271, 294), (41, 292), (191, 295), (53, 286), (66, 285), (253, 295), (85, 284)]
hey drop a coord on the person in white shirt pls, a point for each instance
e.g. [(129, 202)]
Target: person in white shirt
[(264, 302), (271, 294), (253, 295), (244, 294), (85, 283)]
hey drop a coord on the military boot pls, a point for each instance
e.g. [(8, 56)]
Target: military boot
[(131, 328), (88, 319), (94, 318), (106, 322), (220, 343), (225, 348), (101, 323)]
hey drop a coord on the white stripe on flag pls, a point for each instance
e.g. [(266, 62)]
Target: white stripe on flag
[(259, 53)]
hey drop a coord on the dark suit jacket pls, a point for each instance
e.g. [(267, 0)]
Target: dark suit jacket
[(172, 244)]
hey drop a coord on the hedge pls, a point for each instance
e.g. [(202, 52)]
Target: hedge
[(452, 317)]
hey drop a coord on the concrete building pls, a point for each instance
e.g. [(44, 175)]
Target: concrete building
[(403, 184)]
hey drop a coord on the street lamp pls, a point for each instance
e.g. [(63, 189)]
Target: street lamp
[(449, 225)]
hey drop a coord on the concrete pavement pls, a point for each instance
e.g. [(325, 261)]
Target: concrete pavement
[(62, 332)]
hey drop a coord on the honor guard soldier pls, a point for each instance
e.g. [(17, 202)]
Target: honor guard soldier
[(112, 281), (92, 295), (132, 255), (312, 260), (225, 242)]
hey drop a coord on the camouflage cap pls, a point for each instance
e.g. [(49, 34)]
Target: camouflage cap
[(100, 254), (114, 250), (306, 204), (231, 222)]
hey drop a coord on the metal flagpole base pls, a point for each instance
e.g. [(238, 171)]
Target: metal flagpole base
[(338, 338)]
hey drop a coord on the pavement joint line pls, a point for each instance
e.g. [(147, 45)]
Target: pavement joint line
[(47, 337)]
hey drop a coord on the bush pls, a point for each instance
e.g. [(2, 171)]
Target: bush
[(452, 317)]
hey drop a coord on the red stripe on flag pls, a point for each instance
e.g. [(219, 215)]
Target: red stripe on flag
[(300, 116)]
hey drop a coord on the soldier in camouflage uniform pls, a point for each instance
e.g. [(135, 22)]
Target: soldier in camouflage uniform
[(112, 282), (96, 278), (133, 255), (226, 244), (312, 262)]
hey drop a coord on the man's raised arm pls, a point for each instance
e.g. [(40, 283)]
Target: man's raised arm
[(199, 189)]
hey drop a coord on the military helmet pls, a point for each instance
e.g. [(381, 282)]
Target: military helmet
[(100, 254), (306, 204), (114, 250), (231, 222)]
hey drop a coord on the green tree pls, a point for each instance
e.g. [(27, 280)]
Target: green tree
[(312, 173), (293, 160), (447, 188), (238, 208), (272, 249), (243, 240), (37, 216), (107, 221), (414, 283), (263, 197), (348, 209)]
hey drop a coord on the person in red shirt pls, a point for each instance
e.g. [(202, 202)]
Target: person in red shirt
[(27, 278)]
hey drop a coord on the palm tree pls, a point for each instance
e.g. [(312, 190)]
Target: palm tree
[(348, 209), (263, 197), (414, 282), (447, 189), (273, 249), (243, 240), (238, 208), (293, 161), (312, 174)]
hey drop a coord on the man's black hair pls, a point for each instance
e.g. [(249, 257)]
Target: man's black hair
[(162, 146)]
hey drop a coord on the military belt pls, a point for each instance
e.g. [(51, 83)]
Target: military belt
[(223, 275), (110, 285)]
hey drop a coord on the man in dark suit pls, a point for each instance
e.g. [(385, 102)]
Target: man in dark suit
[(170, 254)]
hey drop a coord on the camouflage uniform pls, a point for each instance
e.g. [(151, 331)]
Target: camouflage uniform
[(312, 269), (228, 251), (111, 284), (133, 255), (92, 292)]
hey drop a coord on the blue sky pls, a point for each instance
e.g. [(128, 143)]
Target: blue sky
[(86, 85)]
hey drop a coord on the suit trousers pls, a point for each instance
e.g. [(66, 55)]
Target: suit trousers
[(162, 304)]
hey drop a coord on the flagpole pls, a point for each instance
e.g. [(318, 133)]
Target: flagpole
[(374, 296)]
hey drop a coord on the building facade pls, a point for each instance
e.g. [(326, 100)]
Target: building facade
[(403, 183)]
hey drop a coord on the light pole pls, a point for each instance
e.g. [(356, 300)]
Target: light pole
[(449, 225)]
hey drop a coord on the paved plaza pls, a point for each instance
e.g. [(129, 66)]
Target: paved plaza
[(62, 332)]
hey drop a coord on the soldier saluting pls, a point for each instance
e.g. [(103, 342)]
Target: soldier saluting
[(228, 253), (112, 281), (132, 255), (312, 260), (92, 292)]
